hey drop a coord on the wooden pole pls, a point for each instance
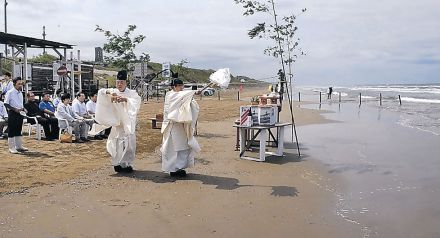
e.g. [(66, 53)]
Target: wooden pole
[(299, 96), (380, 99), (1, 60), (157, 93), (238, 95), (400, 101), (339, 97), (360, 99), (320, 97), (218, 93)]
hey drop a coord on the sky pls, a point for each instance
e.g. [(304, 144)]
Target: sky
[(347, 42)]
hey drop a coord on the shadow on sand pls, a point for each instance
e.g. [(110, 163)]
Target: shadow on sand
[(212, 135), (223, 183), (36, 154), (287, 158)]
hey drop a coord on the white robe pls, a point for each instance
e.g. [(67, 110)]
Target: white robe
[(179, 145), (121, 143)]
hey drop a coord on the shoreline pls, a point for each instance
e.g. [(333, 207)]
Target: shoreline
[(389, 172), (223, 196)]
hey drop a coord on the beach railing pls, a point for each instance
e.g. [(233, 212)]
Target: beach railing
[(367, 98)]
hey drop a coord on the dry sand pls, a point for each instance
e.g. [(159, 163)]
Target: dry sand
[(70, 190)]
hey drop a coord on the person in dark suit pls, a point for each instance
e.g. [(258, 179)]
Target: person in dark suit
[(50, 124)]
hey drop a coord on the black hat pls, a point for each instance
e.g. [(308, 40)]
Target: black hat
[(175, 82), (122, 75)]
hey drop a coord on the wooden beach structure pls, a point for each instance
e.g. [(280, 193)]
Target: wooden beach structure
[(69, 75)]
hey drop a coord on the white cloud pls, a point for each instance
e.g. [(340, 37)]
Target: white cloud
[(346, 41)]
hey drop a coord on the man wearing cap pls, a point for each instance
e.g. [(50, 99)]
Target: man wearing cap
[(14, 104), (179, 145), (118, 107)]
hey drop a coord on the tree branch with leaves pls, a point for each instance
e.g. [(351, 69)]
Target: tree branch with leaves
[(121, 47)]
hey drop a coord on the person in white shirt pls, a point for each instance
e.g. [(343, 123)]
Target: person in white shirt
[(65, 111), (7, 83), (14, 104), (3, 119), (57, 99), (91, 104), (91, 109), (1, 86), (80, 108)]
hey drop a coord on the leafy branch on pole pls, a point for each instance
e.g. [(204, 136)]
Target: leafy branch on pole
[(181, 69), (121, 47), (283, 37)]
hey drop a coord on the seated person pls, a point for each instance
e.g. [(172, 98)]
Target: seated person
[(7, 83), (65, 111), (47, 106), (57, 100), (91, 109), (3, 119), (50, 124), (91, 104), (79, 107)]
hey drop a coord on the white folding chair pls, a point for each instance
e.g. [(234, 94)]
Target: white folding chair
[(39, 131), (63, 124)]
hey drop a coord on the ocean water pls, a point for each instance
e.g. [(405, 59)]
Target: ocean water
[(419, 108), (388, 180)]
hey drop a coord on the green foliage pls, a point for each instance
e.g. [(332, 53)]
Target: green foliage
[(191, 76), (181, 69), (121, 47), (282, 34), (144, 57), (43, 58), (252, 6), (6, 66), (111, 80), (257, 31)]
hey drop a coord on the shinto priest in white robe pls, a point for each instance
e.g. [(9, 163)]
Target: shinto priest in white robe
[(121, 143), (179, 146)]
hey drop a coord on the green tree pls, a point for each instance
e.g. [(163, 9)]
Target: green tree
[(181, 69), (43, 58), (144, 57), (121, 47)]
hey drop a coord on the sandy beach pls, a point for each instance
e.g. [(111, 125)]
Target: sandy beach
[(71, 190)]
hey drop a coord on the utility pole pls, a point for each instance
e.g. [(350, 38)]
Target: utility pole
[(44, 38), (6, 28)]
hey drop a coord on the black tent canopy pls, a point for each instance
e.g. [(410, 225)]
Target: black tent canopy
[(17, 40)]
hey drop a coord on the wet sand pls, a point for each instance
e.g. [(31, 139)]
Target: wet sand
[(388, 174), (72, 191)]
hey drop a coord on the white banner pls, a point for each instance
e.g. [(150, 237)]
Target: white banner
[(167, 67)]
